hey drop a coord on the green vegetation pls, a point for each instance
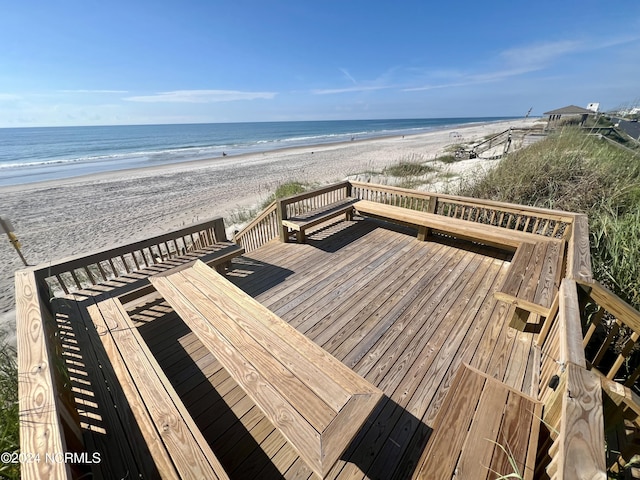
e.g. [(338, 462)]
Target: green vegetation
[(9, 428), (585, 174), (410, 166), (286, 190)]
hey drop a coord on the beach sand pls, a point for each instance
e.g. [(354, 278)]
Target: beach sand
[(61, 218)]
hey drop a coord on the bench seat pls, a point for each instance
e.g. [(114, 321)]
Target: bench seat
[(478, 232), (314, 400), (478, 416), (533, 280), (303, 222), (176, 444)]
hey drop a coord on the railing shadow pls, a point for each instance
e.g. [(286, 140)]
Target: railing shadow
[(107, 423), (390, 443), (254, 276)]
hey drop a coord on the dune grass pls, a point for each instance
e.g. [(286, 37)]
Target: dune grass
[(405, 168), (575, 172), (9, 427), (286, 189)]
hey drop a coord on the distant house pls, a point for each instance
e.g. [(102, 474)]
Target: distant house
[(570, 112), (594, 107)]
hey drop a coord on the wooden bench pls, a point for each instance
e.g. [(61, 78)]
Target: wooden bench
[(315, 401), (478, 232), (478, 418), (533, 280), (176, 444), (303, 222)]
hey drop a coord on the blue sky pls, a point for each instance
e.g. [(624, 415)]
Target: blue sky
[(131, 62)]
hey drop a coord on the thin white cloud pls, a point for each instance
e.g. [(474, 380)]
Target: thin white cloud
[(348, 75), (201, 96), (512, 62), (94, 91), (358, 88), (9, 96)]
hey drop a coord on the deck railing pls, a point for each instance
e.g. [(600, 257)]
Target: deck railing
[(82, 271), (612, 331), (313, 200), (399, 197), (572, 395), (545, 222), (260, 230)]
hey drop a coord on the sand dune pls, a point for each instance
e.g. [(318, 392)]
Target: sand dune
[(57, 219)]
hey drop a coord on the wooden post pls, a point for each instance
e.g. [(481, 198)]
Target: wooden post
[(281, 210), (424, 232), (219, 231), (8, 229)]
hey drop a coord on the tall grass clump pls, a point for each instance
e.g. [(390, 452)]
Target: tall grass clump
[(286, 190), (9, 427), (578, 173), (412, 165)]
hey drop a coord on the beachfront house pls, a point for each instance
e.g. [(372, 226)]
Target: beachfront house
[(570, 114)]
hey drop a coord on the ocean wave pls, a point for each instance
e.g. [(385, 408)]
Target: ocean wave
[(114, 157)]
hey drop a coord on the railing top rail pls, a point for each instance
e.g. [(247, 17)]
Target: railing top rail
[(392, 189), (269, 209), (313, 193), (490, 139), (82, 260), (571, 348), (613, 304), (512, 207)]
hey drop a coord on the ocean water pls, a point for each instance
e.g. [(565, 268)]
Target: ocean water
[(52, 153)]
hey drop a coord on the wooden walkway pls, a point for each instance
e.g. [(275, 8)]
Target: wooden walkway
[(403, 314)]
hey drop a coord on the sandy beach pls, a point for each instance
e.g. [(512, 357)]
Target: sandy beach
[(56, 219)]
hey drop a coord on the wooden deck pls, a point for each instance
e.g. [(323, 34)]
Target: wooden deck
[(403, 314)]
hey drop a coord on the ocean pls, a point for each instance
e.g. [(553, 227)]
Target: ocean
[(53, 153)]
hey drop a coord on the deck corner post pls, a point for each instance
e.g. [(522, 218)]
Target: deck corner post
[(349, 188), (219, 231), (281, 210)]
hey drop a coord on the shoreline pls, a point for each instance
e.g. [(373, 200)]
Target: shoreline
[(212, 161), (56, 219)]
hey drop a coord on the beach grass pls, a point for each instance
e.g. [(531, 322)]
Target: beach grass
[(9, 412), (412, 165), (285, 189), (575, 172)]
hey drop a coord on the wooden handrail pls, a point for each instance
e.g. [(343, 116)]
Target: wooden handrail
[(253, 223), (314, 193), (89, 269), (82, 260), (578, 252), (571, 350), (625, 316), (392, 189), (260, 231), (41, 409)]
